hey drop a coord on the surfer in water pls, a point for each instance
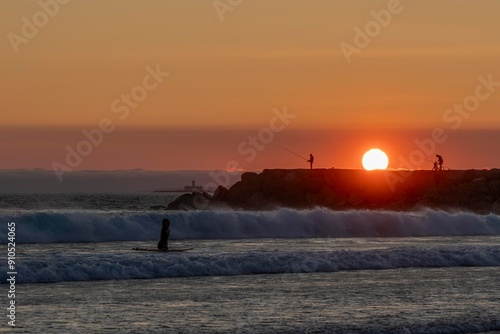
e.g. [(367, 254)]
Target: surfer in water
[(165, 234)]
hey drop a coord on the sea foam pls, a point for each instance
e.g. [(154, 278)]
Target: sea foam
[(58, 267), (88, 226)]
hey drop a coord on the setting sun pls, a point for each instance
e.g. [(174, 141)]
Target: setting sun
[(375, 159)]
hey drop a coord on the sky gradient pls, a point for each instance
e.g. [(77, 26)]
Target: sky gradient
[(107, 60)]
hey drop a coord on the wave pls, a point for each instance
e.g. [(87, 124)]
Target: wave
[(86, 267), (88, 226)]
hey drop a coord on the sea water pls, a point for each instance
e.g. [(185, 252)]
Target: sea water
[(281, 271)]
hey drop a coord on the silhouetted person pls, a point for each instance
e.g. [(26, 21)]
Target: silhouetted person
[(311, 160), (440, 161), (435, 166), (165, 234)]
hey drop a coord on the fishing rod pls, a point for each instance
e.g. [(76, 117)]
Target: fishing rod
[(289, 151)]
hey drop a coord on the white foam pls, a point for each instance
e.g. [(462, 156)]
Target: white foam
[(84, 267), (73, 226)]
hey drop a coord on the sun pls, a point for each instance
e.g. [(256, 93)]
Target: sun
[(375, 159)]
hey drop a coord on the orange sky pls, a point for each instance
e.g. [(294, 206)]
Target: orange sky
[(225, 78)]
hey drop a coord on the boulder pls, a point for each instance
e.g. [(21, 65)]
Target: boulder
[(183, 202), (495, 208), (193, 201), (220, 193), (249, 177)]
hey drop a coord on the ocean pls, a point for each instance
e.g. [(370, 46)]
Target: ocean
[(280, 271)]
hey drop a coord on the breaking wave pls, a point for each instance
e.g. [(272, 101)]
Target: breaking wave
[(140, 265), (91, 225)]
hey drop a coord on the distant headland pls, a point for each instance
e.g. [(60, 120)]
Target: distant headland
[(341, 189)]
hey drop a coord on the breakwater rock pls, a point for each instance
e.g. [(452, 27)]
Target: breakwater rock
[(341, 189)]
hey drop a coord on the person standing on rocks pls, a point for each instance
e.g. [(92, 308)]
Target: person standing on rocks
[(440, 161), (311, 160), (435, 166)]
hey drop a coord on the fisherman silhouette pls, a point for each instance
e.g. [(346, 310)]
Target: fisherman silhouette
[(440, 161), (311, 160)]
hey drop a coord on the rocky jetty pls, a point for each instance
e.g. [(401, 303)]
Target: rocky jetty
[(341, 189)]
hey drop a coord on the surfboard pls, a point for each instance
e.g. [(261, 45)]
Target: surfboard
[(161, 250)]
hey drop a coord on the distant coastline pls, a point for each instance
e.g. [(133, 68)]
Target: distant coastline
[(340, 189)]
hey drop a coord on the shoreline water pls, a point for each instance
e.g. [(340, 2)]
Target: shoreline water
[(280, 271), (430, 297)]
